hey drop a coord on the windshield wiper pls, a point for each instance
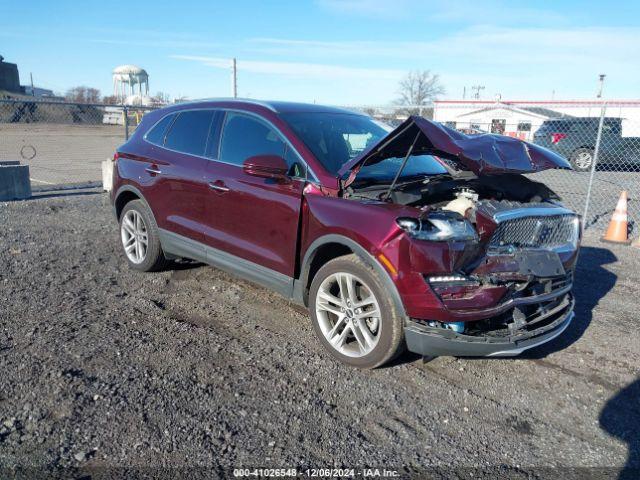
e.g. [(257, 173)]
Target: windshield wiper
[(404, 163)]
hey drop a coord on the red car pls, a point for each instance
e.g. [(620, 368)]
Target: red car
[(421, 237)]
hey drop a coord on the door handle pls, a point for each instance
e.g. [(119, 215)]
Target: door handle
[(219, 188), (153, 170)]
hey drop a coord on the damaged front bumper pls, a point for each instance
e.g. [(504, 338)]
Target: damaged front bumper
[(547, 324)]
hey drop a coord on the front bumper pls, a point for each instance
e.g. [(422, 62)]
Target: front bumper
[(428, 341)]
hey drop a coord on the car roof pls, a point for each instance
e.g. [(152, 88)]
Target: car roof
[(580, 119), (275, 106)]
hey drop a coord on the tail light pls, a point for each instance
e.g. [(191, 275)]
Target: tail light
[(556, 137)]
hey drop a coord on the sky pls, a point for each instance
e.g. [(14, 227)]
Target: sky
[(339, 52)]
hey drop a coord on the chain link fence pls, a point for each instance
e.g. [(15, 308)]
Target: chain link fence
[(65, 143)]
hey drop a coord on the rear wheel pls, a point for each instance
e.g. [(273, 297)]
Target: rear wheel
[(140, 238), (582, 159), (354, 317)]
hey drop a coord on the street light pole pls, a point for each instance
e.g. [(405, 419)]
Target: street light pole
[(234, 78), (602, 76)]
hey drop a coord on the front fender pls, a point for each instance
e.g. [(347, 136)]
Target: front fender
[(361, 252)]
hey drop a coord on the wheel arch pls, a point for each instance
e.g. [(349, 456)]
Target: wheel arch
[(124, 195), (331, 246), (584, 147)]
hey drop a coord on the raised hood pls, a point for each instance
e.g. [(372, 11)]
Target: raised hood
[(480, 154)]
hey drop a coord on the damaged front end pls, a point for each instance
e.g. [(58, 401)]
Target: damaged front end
[(487, 260), (512, 294)]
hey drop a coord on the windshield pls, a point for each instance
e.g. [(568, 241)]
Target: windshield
[(335, 138), (416, 166)]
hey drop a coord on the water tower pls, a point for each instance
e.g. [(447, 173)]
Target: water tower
[(125, 80)]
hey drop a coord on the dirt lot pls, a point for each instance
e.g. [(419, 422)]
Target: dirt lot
[(101, 366)]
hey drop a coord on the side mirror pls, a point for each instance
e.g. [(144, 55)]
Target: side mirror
[(266, 166)]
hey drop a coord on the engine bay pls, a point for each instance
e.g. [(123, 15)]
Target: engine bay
[(459, 194), (460, 198)]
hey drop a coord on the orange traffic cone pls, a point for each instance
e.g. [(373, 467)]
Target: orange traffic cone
[(617, 231)]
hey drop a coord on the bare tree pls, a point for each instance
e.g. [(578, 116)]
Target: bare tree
[(420, 87), (370, 111), (110, 100), (83, 94)]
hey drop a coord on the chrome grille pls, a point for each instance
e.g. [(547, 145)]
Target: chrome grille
[(548, 231)]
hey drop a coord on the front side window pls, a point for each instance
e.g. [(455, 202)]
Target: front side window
[(189, 132), (334, 138), (244, 136)]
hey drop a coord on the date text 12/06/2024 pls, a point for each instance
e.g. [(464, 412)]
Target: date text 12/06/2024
[(316, 472)]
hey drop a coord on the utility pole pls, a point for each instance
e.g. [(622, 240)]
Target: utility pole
[(234, 78), (464, 93), (602, 75), (477, 89), (33, 91)]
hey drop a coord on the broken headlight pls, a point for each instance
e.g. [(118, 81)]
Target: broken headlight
[(439, 227)]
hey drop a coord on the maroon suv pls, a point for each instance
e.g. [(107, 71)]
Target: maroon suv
[(420, 237)]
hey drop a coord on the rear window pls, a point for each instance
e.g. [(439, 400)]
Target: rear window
[(612, 126), (156, 134), (189, 132)]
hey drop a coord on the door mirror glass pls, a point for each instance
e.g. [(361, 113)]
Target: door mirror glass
[(266, 166)]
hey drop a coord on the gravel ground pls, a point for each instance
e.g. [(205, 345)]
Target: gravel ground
[(101, 366)]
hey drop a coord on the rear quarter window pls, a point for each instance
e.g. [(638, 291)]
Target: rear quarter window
[(158, 131)]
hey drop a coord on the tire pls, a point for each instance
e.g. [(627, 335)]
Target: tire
[(582, 159), (364, 341), (149, 258)]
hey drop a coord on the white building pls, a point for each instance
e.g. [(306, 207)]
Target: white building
[(522, 118)]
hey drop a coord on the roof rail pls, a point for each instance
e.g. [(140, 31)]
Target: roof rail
[(231, 99)]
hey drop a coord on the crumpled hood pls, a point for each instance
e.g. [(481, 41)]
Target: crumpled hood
[(480, 154)]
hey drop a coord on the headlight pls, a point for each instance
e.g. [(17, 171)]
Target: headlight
[(439, 227)]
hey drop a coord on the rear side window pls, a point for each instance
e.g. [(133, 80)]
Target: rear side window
[(157, 133), (189, 132), (555, 126), (582, 127), (245, 137)]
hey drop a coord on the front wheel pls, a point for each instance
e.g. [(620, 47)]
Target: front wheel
[(354, 317)]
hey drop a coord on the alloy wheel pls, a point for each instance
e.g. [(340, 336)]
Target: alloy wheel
[(583, 160), (133, 232), (348, 314)]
